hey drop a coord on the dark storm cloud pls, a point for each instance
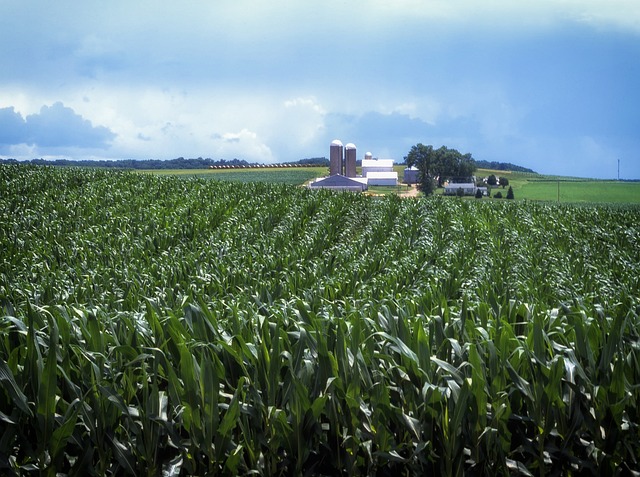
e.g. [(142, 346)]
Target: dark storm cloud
[(12, 127), (53, 126)]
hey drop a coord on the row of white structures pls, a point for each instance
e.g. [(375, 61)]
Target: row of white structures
[(379, 171)]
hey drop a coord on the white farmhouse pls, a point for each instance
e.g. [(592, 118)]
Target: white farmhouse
[(469, 188)]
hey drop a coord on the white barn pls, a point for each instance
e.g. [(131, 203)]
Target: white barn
[(382, 178), (379, 171), (376, 165)]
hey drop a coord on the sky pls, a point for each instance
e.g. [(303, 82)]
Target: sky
[(552, 85)]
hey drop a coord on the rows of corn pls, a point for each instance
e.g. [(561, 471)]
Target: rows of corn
[(163, 326)]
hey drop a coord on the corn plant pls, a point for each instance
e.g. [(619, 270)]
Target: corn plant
[(163, 326)]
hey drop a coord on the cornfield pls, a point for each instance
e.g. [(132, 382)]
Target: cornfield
[(161, 326)]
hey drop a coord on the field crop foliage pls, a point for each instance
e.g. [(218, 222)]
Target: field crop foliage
[(154, 325)]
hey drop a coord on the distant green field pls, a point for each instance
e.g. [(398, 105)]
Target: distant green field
[(387, 190), (525, 186), (573, 191), (293, 175), (540, 187)]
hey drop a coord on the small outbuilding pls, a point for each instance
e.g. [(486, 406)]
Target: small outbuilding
[(411, 175)]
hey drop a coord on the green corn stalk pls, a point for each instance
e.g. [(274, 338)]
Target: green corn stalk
[(254, 328)]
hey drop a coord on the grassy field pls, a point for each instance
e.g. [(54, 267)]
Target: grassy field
[(387, 190), (587, 191), (525, 186), (292, 176), (573, 190), (157, 325)]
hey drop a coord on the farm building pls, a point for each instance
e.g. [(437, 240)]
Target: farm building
[(339, 182), (350, 160), (469, 188), (382, 178), (379, 171), (336, 151), (342, 159), (411, 175), (342, 170), (376, 165)]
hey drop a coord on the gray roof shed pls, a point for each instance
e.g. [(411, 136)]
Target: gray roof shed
[(338, 182)]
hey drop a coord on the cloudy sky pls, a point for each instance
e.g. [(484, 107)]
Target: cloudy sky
[(553, 85)]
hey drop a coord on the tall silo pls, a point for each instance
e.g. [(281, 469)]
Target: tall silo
[(335, 158), (350, 160)]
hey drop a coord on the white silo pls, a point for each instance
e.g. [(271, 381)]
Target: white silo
[(350, 160), (335, 158)]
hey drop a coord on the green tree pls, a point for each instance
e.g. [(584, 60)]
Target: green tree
[(440, 164), (427, 185), (503, 182), (422, 157), (510, 193), (492, 180), (466, 165), (478, 194), (451, 165)]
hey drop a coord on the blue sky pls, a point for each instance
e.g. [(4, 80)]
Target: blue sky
[(547, 84)]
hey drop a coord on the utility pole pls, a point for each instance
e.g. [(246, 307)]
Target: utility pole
[(618, 169)]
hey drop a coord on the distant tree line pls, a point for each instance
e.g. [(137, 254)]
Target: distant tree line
[(178, 163), (314, 161), (502, 166)]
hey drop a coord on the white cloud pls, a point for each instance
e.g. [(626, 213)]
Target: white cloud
[(243, 144), (276, 81), (162, 123), (513, 15), (303, 120), (310, 103), (425, 108)]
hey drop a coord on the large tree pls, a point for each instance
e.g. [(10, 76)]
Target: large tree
[(453, 166), (422, 157), (439, 165)]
